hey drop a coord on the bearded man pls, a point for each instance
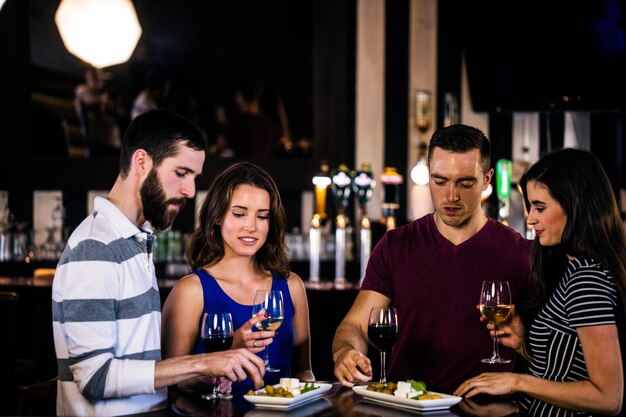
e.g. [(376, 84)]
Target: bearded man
[(106, 304)]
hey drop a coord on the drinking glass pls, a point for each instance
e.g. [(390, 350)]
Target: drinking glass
[(495, 307), (217, 335), (272, 303), (382, 331)]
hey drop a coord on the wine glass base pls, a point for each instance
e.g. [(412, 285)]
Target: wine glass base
[(214, 396), (495, 360), (269, 369)]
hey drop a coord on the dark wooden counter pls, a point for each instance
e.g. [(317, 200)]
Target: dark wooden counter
[(339, 401), (327, 307)]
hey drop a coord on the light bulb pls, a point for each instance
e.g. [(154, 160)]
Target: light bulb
[(102, 33), (419, 173)]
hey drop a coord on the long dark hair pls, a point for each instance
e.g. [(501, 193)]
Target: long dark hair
[(577, 181), (206, 246)]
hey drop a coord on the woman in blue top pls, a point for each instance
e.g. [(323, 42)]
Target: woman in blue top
[(237, 249)]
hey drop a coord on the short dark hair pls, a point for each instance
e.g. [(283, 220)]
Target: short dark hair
[(158, 132), (461, 138), (206, 246)]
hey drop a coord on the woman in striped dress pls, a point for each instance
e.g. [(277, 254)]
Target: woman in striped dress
[(570, 330)]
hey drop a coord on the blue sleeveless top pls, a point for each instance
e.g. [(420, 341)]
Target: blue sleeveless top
[(217, 301)]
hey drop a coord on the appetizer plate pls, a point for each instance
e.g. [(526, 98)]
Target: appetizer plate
[(280, 403), (315, 407), (444, 403)]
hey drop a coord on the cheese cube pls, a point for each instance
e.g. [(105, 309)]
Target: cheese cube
[(405, 390), (285, 383), (291, 384)]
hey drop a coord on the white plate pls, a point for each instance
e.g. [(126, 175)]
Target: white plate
[(444, 403), (280, 403), (315, 407)]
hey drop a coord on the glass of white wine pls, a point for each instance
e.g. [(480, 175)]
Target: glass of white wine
[(495, 307), (272, 303)]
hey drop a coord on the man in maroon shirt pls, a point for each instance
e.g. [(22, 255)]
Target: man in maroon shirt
[(431, 271)]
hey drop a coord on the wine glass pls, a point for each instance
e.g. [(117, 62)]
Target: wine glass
[(272, 303), (382, 330), (495, 307), (217, 335)]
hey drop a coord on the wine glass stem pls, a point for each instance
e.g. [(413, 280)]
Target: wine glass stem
[(383, 371), (496, 354), (266, 359)]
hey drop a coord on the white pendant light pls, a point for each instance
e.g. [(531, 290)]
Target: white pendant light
[(100, 32), (419, 172)]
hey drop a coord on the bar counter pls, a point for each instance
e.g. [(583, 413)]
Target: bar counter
[(339, 401), (327, 307)]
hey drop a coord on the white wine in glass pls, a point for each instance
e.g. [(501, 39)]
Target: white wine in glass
[(272, 303), (495, 307)]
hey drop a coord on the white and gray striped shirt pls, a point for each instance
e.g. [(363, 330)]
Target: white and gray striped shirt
[(107, 318), (586, 296)]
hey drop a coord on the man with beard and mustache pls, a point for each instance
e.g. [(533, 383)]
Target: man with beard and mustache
[(105, 298), (431, 271)]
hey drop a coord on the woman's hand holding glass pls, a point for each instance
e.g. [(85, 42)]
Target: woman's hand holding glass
[(510, 333), (495, 307), (271, 302), (254, 341)]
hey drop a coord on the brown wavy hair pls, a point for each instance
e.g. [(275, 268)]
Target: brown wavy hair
[(205, 247), (576, 180)]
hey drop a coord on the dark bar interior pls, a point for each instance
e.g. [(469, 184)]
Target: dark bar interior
[(304, 57)]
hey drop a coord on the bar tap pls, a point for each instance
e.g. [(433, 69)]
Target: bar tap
[(321, 181), (504, 171), (341, 187), (363, 184), (391, 180)]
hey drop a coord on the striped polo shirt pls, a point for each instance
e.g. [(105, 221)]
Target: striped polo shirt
[(586, 296), (107, 318)]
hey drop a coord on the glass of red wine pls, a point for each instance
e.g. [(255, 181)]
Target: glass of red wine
[(217, 335), (382, 330)]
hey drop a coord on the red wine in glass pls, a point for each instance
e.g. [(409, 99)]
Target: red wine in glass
[(217, 335), (217, 343), (382, 331), (382, 336)]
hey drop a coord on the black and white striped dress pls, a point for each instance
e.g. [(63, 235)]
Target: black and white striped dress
[(586, 296)]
